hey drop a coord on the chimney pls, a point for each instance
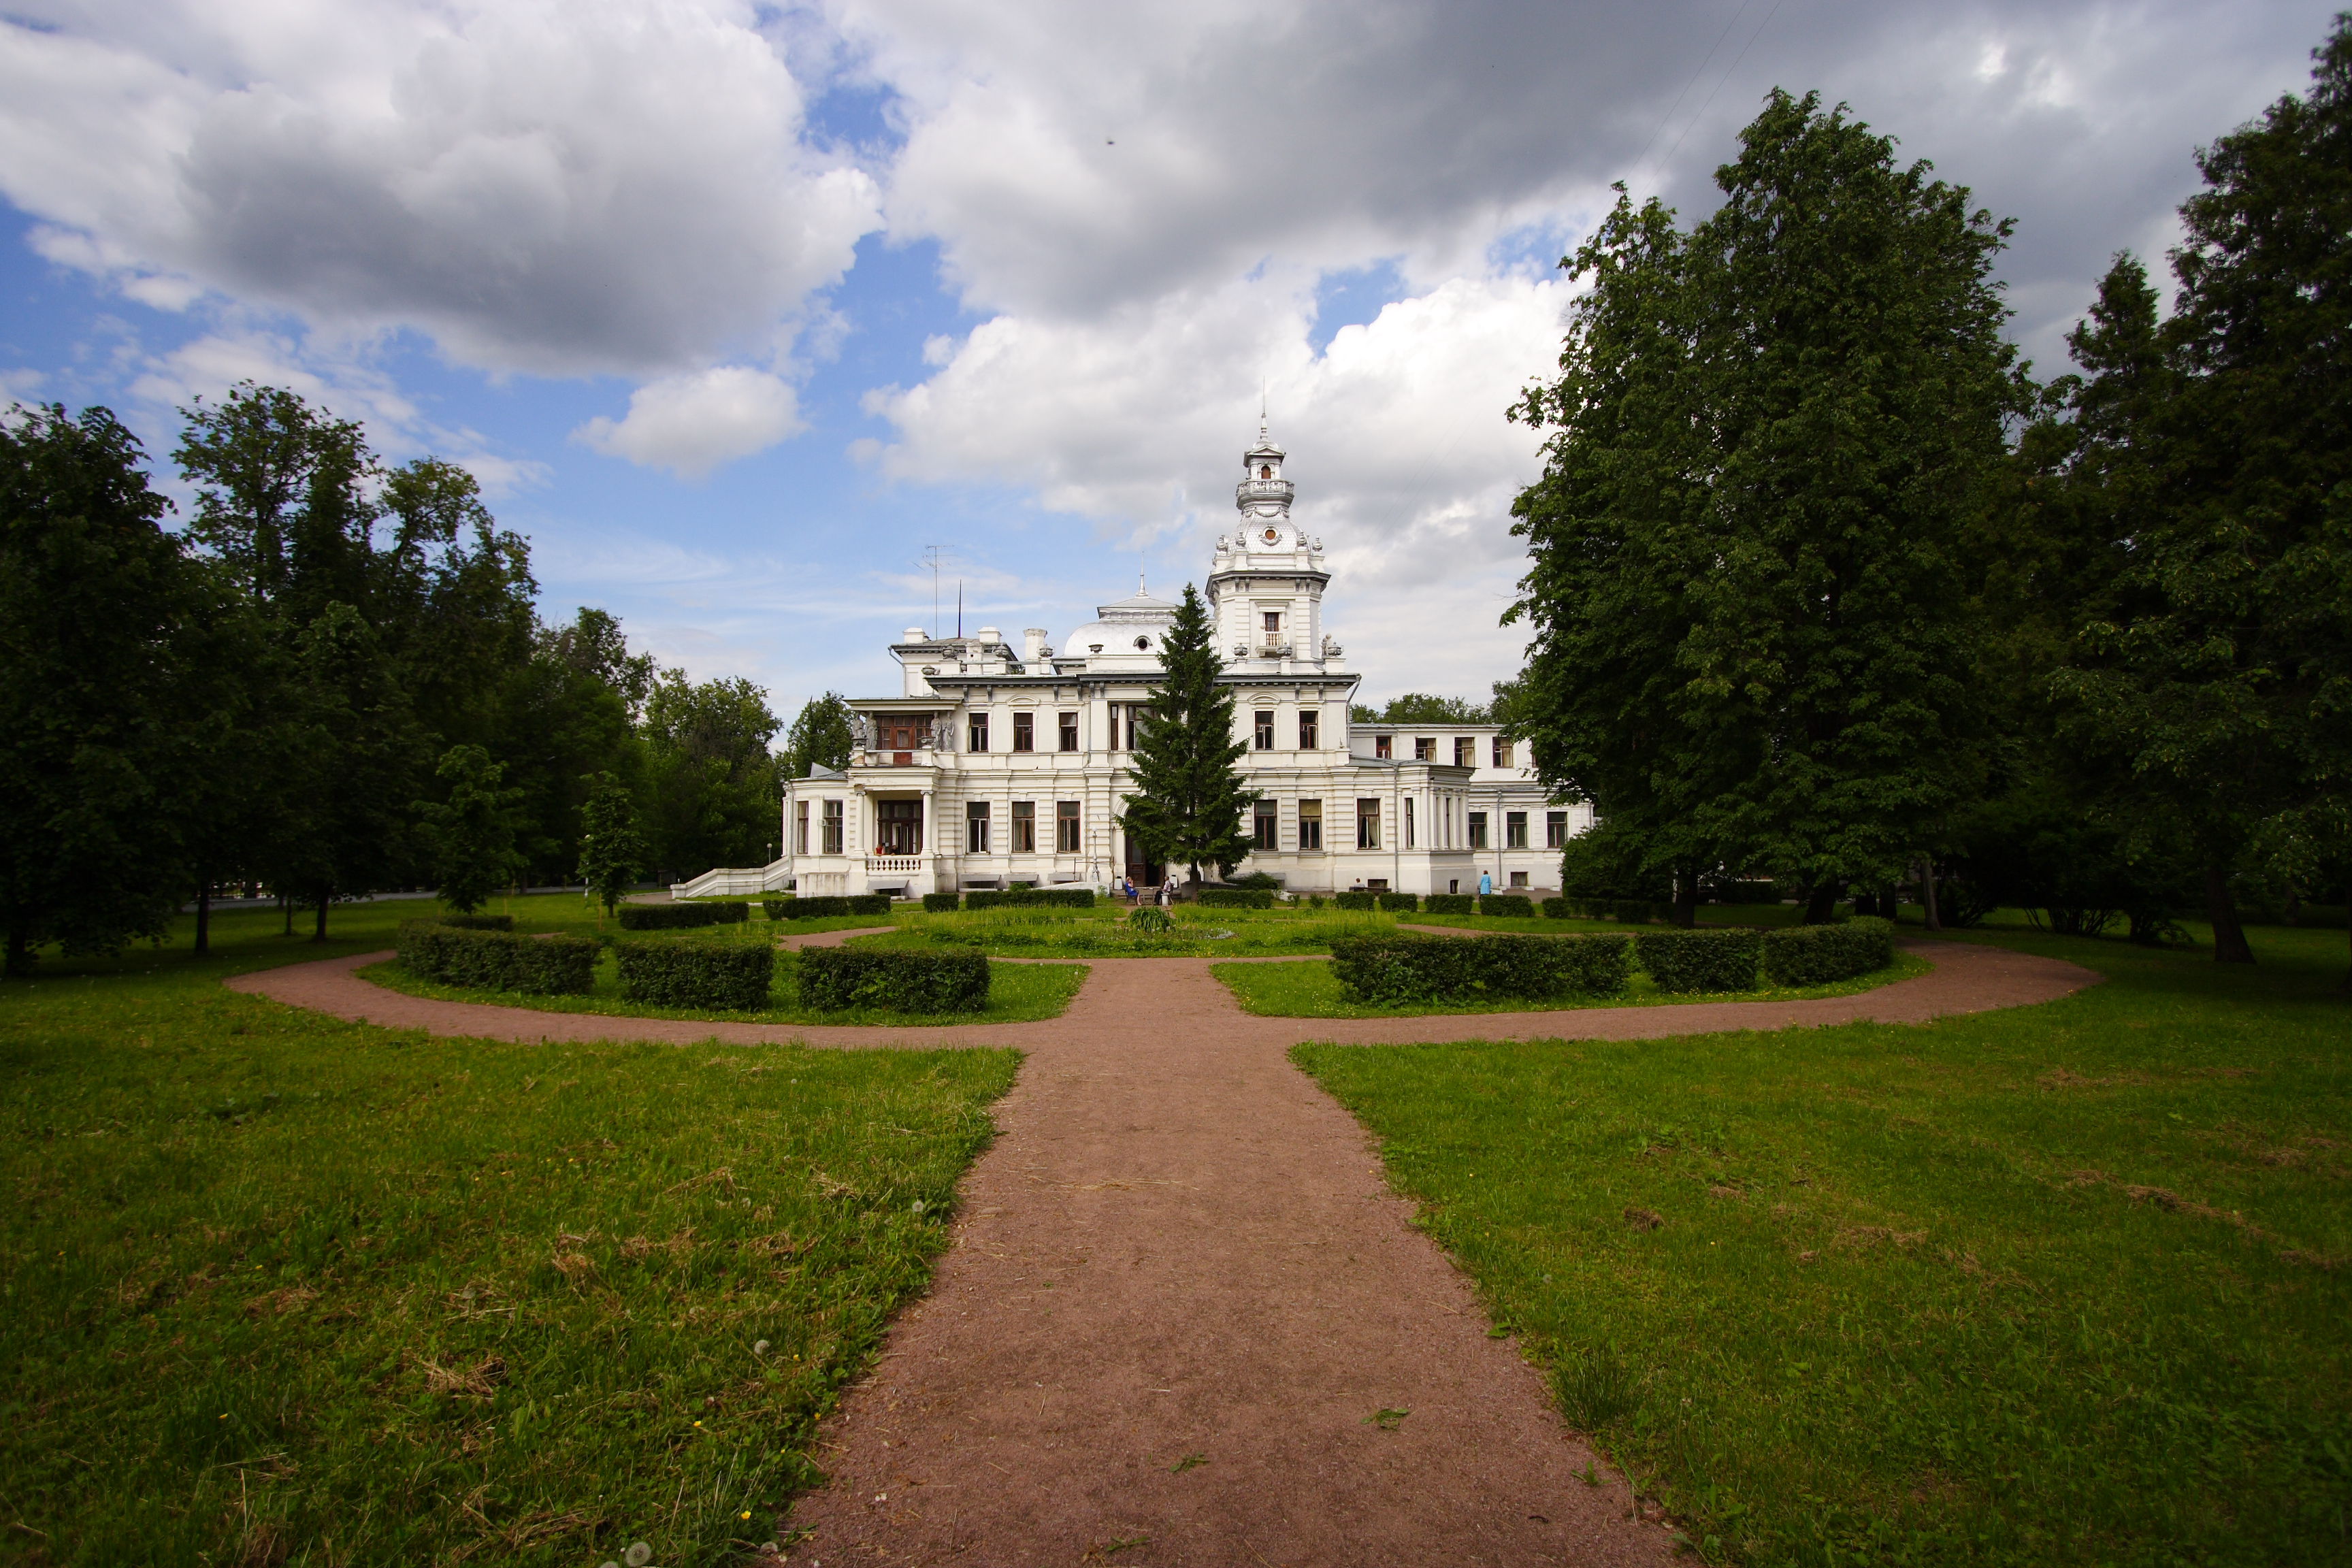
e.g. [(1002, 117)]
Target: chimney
[(990, 636), (1032, 645)]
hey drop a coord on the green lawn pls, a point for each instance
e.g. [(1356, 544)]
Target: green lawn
[(1308, 990), (2064, 1284), (1017, 993), (281, 1289)]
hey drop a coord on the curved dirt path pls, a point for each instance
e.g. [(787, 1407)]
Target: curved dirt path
[(1179, 1245)]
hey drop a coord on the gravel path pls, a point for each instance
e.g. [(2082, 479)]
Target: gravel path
[(1181, 1247)]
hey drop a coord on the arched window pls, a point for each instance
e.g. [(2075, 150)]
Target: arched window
[(1266, 471)]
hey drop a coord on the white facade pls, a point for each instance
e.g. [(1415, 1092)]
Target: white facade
[(994, 764)]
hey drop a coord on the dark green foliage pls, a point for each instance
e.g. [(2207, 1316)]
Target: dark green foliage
[(1452, 903), (1557, 910), (612, 850), (1421, 709), (1743, 892), (829, 907), (937, 903), (1031, 898), (93, 595), (820, 737), (1399, 968), (719, 977), (479, 922), (1401, 903), (1150, 919), (1682, 961), (712, 781), (1514, 904), (1354, 900), (1820, 955), (470, 835), (481, 960), (682, 916), (1191, 799), (1236, 898), (1267, 879), (843, 979)]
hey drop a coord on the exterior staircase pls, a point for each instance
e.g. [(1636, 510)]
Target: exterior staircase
[(739, 881)]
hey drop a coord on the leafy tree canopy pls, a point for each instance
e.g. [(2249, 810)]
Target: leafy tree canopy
[(1421, 708), (821, 736)]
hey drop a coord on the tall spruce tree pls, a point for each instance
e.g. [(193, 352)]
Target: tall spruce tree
[(1192, 799)]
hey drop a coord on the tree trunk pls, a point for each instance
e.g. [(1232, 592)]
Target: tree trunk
[(286, 908), (1934, 917), (2229, 937), (1685, 899), (321, 933), (203, 918), (1821, 906)]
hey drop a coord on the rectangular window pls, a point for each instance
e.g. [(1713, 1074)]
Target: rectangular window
[(1069, 731), (899, 826), (833, 827), (1502, 753), (1555, 830), (976, 732), (1518, 879), (1405, 811), (1477, 830), (1065, 828), (1367, 824), (1465, 753), (1310, 825), (1264, 736), (975, 827), (1264, 821), (1425, 748), (1024, 827), (1118, 710), (1274, 625), (1024, 731), (1309, 723), (1384, 746), (800, 830), (1515, 830)]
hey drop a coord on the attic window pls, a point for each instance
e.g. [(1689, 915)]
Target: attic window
[(1143, 642), (1266, 471)]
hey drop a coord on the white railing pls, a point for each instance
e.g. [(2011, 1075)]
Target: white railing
[(894, 862), (735, 881)]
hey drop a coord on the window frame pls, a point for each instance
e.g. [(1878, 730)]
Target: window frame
[(1024, 731), (1385, 747), (976, 827), (1475, 828), (1368, 822), (1425, 748), (1310, 729), (1261, 728), (976, 733), (1068, 839), (1266, 825), (1555, 830), (1465, 750), (1310, 826), (1515, 830), (799, 828), (1502, 753), (835, 821), (1066, 730)]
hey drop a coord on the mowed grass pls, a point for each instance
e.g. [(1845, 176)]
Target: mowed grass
[(1017, 993), (1308, 989), (2065, 1284), (283, 1289)]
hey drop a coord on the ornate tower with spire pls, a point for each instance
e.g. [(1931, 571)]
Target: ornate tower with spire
[(1266, 584)]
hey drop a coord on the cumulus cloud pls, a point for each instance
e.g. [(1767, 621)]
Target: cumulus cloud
[(693, 423), (593, 185)]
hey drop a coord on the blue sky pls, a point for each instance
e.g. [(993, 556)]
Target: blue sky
[(737, 310)]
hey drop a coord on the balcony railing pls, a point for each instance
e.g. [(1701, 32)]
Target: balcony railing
[(1250, 491), (894, 862)]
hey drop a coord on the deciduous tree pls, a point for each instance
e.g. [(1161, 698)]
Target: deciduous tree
[(470, 834)]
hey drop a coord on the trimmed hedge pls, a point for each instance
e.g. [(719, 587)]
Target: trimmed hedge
[(1354, 900), (1237, 898), (1820, 955), (722, 977), (837, 979), (478, 923), (1557, 910), (938, 903), (1517, 904), (1032, 898), (829, 908), (1403, 903), (498, 961), (1452, 903), (679, 917), (1701, 960), (1442, 968)]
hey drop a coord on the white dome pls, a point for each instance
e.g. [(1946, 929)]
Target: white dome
[(1131, 631)]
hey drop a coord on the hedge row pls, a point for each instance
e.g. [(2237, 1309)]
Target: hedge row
[(1354, 900), (678, 917), (938, 903), (1400, 969), (1031, 898), (828, 908), (730, 977), (1819, 955), (498, 961), (1401, 903), (838, 979), (1514, 904), (478, 923), (1682, 961), (1453, 904), (1237, 898)]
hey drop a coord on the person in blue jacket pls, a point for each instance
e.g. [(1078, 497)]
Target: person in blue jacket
[(1485, 884)]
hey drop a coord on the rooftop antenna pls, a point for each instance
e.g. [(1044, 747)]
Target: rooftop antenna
[(932, 559), (959, 609)]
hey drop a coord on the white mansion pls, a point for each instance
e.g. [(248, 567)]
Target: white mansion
[(995, 765)]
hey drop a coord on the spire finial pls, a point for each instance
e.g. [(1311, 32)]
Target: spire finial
[(1261, 411)]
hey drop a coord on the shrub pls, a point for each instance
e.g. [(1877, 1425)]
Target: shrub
[(939, 903), (478, 922), (1267, 879), (498, 961), (1354, 902), (1559, 909), (1819, 955), (1438, 968), (1237, 898), (1700, 959), (1452, 903), (725, 977), (1517, 904), (1021, 896), (838, 979), (829, 908), (1403, 903), (1150, 919), (678, 917)]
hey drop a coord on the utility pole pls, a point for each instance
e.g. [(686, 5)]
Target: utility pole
[(931, 555)]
